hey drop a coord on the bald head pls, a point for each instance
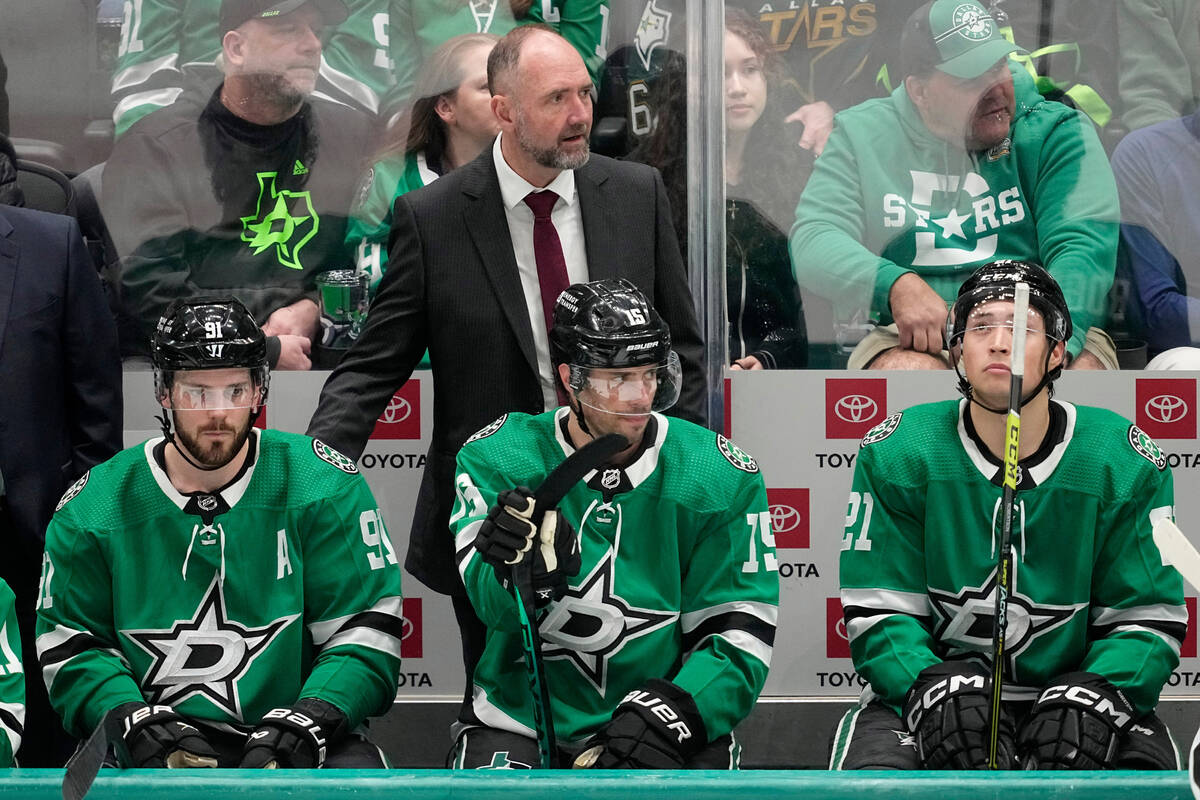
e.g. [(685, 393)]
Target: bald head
[(542, 100), (538, 39)]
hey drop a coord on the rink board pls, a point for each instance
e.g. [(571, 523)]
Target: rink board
[(37, 784)]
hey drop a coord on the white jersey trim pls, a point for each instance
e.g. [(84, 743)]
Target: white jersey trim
[(18, 711), (764, 611), (140, 73), (746, 642), (324, 631), (230, 494), (1159, 612), (493, 717), (1039, 473)]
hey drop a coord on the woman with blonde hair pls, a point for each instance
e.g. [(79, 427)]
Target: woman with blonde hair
[(449, 124)]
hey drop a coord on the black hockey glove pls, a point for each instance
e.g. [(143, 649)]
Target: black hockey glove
[(508, 536), (294, 737), (155, 736), (655, 727), (947, 711), (1076, 723)]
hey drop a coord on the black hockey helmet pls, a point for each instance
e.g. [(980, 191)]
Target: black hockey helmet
[(997, 280), (609, 324), (208, 333)]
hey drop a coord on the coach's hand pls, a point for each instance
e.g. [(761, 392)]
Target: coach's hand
[(155, 736)]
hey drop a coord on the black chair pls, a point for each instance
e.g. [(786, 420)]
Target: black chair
[(45, 188)]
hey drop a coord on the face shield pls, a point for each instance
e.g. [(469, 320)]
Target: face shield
[(628, 391), (211, 390), (990, 316)]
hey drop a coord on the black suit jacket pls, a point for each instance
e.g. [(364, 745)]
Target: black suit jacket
[(452, 285), (60, 374)]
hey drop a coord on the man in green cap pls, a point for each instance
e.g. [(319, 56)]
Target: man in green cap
[(963, 164)]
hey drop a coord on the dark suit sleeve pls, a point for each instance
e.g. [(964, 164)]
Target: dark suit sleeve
[(389, 348), (673, 301), (92, 364)]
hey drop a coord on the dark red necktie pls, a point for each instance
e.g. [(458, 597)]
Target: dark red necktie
[(551, 266)]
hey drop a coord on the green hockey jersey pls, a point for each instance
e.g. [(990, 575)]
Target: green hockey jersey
[(371, 218), (1089, 591), (887, 197), (678, 581), (12, 679), (164, 43), (282, 585)]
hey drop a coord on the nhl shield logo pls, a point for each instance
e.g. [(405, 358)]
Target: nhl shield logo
[(73, 490), (1146, 447), (487, 430), (735, 455), (328, 454), (881, 431), (611, 478)]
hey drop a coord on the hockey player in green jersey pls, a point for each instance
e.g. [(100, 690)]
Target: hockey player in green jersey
[(221, 596), (656, 577), (12, 680), (1094, 619)]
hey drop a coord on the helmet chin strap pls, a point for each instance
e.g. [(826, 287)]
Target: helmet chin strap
[(165, 422), (968, 391)]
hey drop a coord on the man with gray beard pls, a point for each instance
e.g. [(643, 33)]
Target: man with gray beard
[(476, 261), (244, 190)]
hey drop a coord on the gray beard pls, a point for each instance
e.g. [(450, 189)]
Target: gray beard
[(272, 89)]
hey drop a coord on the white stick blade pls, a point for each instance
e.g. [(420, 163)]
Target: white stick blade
[(1020, 325), (1177, 551)]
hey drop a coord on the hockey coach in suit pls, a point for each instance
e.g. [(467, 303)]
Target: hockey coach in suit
[(60, 414), (471, 277)]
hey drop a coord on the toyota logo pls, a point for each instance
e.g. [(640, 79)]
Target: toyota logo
[(855, 408), (406, 628), (840, 629), (1166, 408), (784, 518), (397, 410)]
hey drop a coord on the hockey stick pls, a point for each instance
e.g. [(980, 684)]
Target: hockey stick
[(1008, 503), (84, 764), (1177, 551), (547, 496)]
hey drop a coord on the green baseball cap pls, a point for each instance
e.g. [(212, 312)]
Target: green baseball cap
[(957, 37)]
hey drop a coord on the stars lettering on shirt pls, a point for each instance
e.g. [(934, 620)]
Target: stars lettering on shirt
[(203, 656)]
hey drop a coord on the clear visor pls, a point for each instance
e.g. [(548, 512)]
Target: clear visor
[(213, 390), (629, 391), (985, 319)]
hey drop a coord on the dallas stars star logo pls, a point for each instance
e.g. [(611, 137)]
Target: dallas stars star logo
[(964, 620), (592, 623), (274, 225), (205, 655)]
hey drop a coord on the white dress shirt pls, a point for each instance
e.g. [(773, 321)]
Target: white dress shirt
[(568, 221)]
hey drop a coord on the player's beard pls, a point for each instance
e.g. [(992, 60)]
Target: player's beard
[(551, 157), (217, 454)]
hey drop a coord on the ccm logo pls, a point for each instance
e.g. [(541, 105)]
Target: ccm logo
[(941, 690), (1082, 696)]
